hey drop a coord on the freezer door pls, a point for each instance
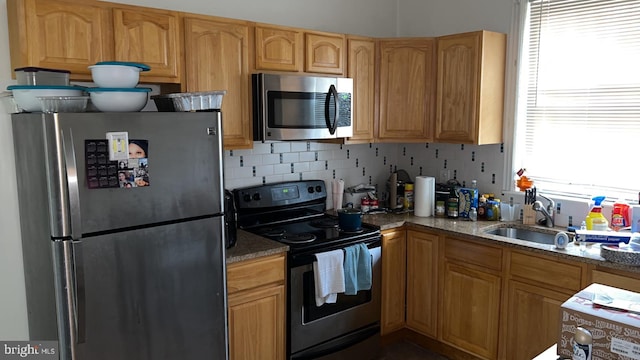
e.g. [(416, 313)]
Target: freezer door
[(153, 294), (175, 169)]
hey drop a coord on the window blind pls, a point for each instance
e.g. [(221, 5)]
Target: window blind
[(578, 124)]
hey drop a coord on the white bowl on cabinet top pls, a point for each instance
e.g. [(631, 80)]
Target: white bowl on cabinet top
[(119, 99), (27, 96), (116, 74)]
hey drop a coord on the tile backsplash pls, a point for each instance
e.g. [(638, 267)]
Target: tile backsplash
[(271, 162)]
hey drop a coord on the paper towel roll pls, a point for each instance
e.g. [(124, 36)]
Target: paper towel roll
[(424, 194), (337, 190)]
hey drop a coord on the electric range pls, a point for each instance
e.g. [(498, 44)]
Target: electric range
[(294, 213)]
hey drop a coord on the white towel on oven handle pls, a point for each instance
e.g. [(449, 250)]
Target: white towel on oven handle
[(328, 274)]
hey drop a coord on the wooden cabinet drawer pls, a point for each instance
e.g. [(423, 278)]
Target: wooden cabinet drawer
[(550, 271), (253, 273), (625, 281), (473, 253)]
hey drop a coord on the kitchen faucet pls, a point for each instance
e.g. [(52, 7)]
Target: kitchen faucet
[(548, 212)]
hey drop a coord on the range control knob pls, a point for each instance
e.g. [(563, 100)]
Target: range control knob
[(310, 189), (318, 188), (257, 197), (246, 197)]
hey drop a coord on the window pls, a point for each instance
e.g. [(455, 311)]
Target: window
[(578, 117)]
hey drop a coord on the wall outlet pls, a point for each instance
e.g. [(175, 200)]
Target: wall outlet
[(445, 175)]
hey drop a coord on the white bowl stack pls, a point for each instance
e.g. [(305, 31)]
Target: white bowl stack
[(117, 91), (27, 97)]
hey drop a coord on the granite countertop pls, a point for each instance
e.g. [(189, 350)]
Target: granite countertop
[(477, 231), (251, 246)]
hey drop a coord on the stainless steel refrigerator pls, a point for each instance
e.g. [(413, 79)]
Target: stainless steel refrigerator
[(124, 258)]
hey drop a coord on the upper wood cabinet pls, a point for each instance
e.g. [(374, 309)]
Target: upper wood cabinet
[(278, 48), (325, 53), (406, 90), (361, 68), (73, 34), (150, 37), (282, 48), (59, 34), (394, 275), (470, 88), (217, 58)]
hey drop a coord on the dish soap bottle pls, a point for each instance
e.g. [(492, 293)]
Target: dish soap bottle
[(595, 220)]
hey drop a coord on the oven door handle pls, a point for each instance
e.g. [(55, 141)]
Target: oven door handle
[(327, 111)]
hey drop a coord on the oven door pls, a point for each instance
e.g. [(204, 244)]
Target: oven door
[(317, 332), (294, 107)]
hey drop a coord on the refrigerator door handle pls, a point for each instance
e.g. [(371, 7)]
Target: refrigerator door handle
[(71, 168), (64, 268), (80, 302)]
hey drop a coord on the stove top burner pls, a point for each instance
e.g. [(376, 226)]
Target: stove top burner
[(301, 238), (324, 223), (273, 233)]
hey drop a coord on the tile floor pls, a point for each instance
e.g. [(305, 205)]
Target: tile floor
[(408, 351)]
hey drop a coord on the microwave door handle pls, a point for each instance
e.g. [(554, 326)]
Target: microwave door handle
[(332, 127)]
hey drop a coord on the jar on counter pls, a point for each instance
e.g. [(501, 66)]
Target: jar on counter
[(492, 210), (453, 204), (365, 204)]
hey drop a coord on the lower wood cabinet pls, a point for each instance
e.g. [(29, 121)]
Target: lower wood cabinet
[(256, 308), (394, 275), (471, 290), (537, 287), (616, 278), (532, 319), (422, 282), (471, 309)]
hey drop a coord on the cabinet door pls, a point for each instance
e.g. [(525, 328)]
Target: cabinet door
[(59, 34), (458, 71), (216, 56), (256, 324), (532, 319), (278, 49), (361, 68), (422, 282), (325, 53), (150, 37), (471, 309), (407, 70), (470, 87), (394, 252)]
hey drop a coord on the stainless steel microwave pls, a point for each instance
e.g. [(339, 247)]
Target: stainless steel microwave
[(300, 107)]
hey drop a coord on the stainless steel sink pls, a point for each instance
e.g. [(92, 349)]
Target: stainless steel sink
[(533, 235)]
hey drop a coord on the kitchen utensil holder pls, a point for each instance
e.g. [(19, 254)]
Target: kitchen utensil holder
[(528, 215)]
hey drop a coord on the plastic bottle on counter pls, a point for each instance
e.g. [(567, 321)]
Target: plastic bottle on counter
[(595, 220), (620, 216), (473, 214), (408, 196)]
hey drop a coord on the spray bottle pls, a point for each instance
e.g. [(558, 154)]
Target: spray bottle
[(595, 220)]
